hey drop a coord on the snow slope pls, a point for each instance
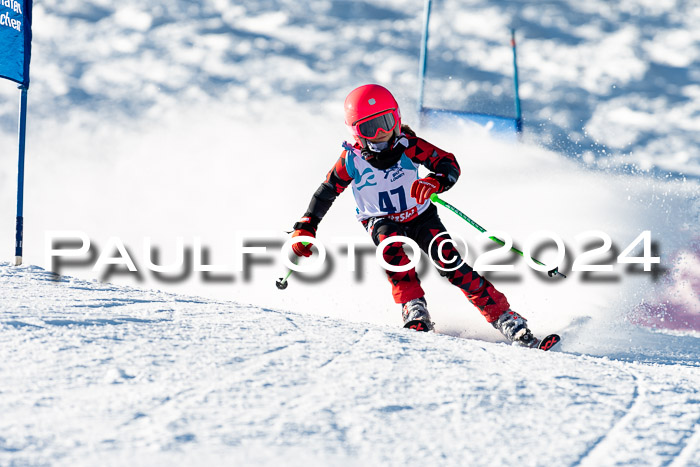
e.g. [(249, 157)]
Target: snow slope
[(609, 83), (217, 120), (156, 122), (94, 373)]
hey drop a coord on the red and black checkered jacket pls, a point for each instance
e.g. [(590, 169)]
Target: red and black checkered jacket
[(442, 164)]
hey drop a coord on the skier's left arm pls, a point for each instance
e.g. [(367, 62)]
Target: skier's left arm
[(336, 182), (443, 166)]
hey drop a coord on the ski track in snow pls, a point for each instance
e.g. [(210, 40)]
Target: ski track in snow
[(598, 450), (98, 374)]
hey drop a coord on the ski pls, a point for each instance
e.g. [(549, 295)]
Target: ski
[(548, 342), (545, 343), (418, 325)]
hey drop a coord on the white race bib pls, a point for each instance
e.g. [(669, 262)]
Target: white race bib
[(383, 192)]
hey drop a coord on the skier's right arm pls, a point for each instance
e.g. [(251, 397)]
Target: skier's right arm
[(337, 180)]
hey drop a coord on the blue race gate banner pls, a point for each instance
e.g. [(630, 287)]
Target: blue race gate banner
[(15, 40)]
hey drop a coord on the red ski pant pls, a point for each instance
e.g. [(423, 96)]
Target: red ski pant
[(406, 285)]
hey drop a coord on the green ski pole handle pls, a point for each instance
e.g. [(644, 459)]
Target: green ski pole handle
[(436, 199), (282, 281)]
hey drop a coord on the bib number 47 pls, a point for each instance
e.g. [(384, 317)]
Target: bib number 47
[(387, 206)]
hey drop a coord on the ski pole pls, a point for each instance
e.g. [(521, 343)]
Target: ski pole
[(282, 281), (436, 199)]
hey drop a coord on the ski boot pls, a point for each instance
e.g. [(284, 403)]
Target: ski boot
[(514, 328), (416, 316)]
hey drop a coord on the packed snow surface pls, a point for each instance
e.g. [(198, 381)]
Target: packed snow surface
[(203, 128), (93, 374)]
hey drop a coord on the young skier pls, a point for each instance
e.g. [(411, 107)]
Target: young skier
[(382, 167)]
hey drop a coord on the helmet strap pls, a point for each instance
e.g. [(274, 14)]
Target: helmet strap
[(387, 158)]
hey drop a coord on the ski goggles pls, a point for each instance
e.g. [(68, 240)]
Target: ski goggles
[(370, 127)]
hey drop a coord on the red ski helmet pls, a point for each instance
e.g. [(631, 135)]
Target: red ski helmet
[(370, 109)]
